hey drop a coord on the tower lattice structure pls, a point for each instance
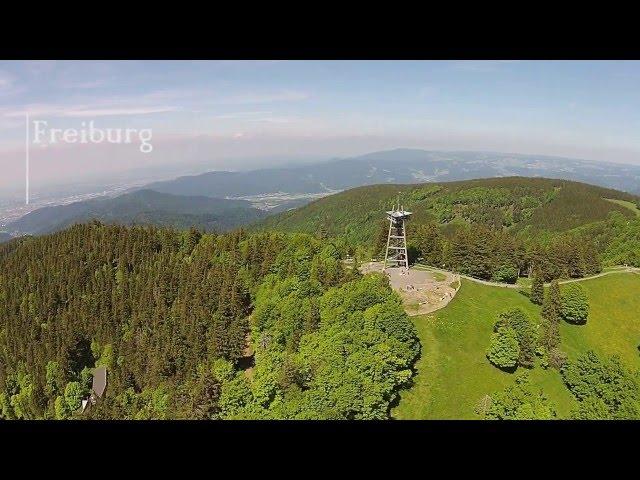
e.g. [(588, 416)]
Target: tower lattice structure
[(396, 253)]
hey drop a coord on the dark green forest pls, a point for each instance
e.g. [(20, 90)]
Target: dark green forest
[(193, 325)]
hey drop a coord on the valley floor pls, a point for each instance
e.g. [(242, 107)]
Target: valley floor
[(453, 372)]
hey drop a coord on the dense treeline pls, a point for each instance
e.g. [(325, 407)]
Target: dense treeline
[(168, 314), (496, 254), (618, 238), (139, 300), (494, 229)]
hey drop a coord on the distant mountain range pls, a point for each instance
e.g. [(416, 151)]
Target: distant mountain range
[(400, 166), (143, 207), (224, 200)]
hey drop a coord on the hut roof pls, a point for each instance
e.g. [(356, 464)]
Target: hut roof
[(99, 381)]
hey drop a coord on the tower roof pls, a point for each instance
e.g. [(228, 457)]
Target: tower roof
[(398, 213)]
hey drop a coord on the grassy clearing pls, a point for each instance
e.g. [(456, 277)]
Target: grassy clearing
[(623, 203), (613, 326), (439, 277), (524, 282), (453, 372)]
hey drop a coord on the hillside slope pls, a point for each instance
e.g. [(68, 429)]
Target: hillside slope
[(454, 364), (169, 313), (515, 202), (142, 207)]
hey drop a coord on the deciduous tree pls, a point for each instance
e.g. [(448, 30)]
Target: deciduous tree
[(575, 304), (504, 350)]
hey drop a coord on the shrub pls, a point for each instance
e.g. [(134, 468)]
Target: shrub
[(557, 358), (520, 401), (506, 274)]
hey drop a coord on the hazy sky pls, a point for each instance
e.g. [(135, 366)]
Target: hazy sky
[(217, 113)]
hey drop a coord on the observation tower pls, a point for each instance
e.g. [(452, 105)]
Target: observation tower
[(396, 253)]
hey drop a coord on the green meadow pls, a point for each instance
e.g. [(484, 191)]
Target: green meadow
[(453, 373)]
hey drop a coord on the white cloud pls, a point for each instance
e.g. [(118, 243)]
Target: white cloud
[(7, 123), (8, 85), (99, 106), (125, 111), (273, 119), (268, 97), (7, 90), (239, 115), (158, 101), (52, 110)]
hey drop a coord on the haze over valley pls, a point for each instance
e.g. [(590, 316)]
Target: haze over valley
[(272, 190)]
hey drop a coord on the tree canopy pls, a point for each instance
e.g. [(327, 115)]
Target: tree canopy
[(504, 349), (604, 388), (193, 325)]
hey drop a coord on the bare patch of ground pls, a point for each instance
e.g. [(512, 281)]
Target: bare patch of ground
[(421, 291), (247, 362)]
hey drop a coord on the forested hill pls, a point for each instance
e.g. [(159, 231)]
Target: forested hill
[(494, 229), (197, 326), (513, 203), (143, 207)]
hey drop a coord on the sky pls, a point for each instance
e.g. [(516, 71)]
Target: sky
[(247, 114)]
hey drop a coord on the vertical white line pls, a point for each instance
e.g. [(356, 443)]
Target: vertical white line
[(26, 171)]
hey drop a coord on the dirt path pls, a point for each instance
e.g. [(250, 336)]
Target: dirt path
[(477, 280), (602, 274), (620, 269)]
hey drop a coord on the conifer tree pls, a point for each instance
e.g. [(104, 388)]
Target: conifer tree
[(537, 289), (551, 314)]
